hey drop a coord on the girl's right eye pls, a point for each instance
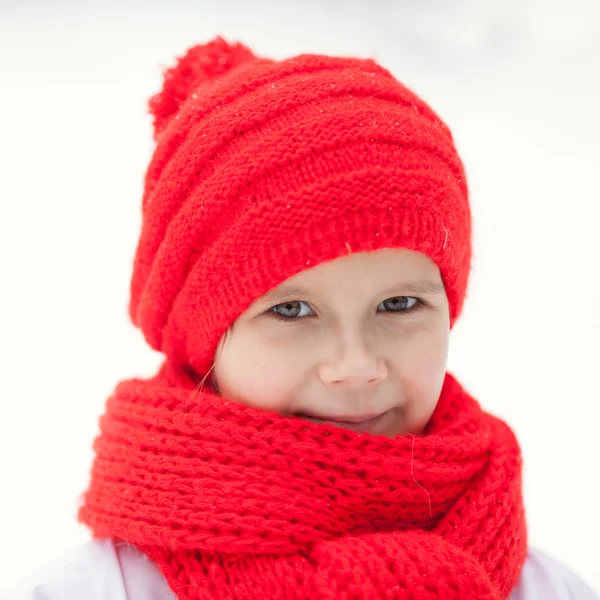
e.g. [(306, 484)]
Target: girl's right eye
[(290, 310)]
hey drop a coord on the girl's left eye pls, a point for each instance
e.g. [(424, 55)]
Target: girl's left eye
[(399, 304)]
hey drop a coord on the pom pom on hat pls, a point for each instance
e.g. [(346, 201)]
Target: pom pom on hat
[(200, 64)]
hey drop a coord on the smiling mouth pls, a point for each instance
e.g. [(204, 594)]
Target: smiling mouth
[(353, 422)]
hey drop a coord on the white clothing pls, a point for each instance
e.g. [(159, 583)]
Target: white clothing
[(104, 570)]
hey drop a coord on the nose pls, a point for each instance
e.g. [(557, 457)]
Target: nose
[(354, 364)]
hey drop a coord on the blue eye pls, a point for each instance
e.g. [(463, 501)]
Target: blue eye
[(289, 307), (292, 310), (399, 303)]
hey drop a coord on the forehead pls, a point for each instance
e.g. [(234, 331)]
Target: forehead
[(389, 270)]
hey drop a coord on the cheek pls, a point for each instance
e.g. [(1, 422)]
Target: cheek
[(421, 375), (254, 375), (428, 353)]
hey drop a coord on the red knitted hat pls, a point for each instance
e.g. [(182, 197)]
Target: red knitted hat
[(263, 168)]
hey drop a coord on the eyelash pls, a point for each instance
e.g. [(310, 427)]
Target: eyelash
[(417, 306)]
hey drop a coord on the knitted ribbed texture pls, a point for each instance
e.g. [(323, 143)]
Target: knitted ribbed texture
[(265, 168), (236, 502)]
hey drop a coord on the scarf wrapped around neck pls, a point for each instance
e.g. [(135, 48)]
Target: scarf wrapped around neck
[(236, 502)]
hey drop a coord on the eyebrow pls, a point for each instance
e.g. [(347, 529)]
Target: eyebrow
[(419, 286)]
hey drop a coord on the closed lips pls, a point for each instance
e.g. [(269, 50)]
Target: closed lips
[(351, 419)]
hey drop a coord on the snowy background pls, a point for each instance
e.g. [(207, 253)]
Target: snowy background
[(517, 82)]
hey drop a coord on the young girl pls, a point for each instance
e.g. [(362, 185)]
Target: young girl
[(305, 252)]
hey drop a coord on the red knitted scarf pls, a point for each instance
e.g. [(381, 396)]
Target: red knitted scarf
[(236, 502)]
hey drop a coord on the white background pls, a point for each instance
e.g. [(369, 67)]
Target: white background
[(518, 84)]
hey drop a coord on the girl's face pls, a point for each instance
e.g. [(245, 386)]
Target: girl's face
[(361, 341)]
